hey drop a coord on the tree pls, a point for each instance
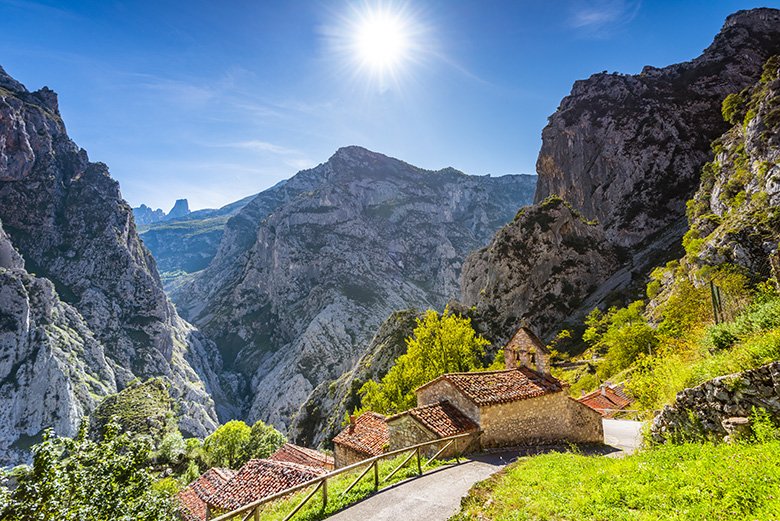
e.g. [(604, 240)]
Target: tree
[(225, 447), (263, 441), (440, 344), (84, 480)]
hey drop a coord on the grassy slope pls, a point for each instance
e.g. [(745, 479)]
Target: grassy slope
[(680, 482)]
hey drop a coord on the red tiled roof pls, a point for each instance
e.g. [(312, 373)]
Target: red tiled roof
[(441, 418), (260, 478), (303, 456), (494, 387), (606, 400), (368, 435), (192, 499)]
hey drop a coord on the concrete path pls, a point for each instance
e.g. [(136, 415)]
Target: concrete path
[(436, 496)]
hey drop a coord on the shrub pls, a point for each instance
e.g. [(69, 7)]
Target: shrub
[(733, 109)]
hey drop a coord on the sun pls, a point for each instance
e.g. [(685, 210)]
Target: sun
[(381, 41)]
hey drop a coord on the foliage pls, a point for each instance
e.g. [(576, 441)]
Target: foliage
[(172, 448), (263, 441), (733, 108), (682, 482), (226, 446), (440, 344), (235, 443), (764, 428), (622, 334), (143, 408), (82, 480)]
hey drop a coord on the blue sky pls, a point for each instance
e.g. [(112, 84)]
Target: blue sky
[(213, 101)]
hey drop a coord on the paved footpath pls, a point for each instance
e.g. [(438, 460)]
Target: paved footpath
[(436, 496)]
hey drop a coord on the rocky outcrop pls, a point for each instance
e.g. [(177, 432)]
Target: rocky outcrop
[(330, 402), (67, 219), (627, 149), (625, 152), (717, 408), (52, 369), (735, 215), (181, 208), (537, 270), (305, 274)]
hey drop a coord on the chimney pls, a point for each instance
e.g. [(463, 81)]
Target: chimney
[(351, 423), (603, 390), (582, 393)]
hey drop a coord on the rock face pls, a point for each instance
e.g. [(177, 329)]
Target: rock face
[(52, 369), (538, 268), (67, 219), (306, 273), (181, 208), (735, 215), (712, 410), (625, 151)]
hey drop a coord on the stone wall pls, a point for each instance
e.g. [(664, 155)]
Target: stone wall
[(715, 408), (551, 418), (344, 456), (444, 390), (406, 431)]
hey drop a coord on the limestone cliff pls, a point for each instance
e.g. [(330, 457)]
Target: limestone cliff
[(305, 274), (735, 214), (625, 152), (627, 149), (52, 369), (67, 219)]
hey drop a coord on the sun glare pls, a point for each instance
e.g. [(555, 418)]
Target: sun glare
[(380, 42)]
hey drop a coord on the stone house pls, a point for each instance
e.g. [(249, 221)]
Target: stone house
[(365, 436), (430, 422), (607, 400), (303, 456), (259, 478), (192, 498), (520, 405)]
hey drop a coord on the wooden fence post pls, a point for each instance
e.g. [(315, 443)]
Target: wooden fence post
[(419, 466), (324, 494), (376, 475)]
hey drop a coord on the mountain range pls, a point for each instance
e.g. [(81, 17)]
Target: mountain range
[(286, 301)]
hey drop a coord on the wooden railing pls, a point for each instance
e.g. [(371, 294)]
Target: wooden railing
[(253, 510)]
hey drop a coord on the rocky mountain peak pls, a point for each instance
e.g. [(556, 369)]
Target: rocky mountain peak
[(7, 82), (180, 208)]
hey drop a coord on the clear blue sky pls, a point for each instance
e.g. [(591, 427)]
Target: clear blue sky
[(215, 100)]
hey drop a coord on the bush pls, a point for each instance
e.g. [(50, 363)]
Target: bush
[(84, 480), (733, 109)]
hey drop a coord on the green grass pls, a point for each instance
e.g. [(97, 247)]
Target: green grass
[(313, 511), (675, 482)]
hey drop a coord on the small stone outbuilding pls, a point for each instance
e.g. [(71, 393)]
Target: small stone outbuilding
[(607, 400), (365, 436), (431, 422)]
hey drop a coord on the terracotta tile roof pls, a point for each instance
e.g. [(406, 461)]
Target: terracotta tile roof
[(303, 456), (441, 418), (607, 400), (192, 499), (260, 478), (368, 435), (494, 387)]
